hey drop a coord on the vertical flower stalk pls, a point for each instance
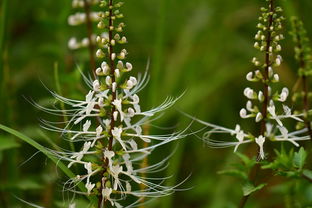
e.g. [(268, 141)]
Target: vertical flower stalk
[(265, 106), (303, 57), (107, 125), (87, 17)]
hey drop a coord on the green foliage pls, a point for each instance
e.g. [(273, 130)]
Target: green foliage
[(42, 149), (302, 47), (249, 188), (288, 164), (7, 142), (200, 46), (300, 158)]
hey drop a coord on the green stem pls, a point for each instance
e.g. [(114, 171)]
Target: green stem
[(89, 33), (59, 91)]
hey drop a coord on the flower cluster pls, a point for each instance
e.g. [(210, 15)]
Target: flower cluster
[(107, 125), (303, 57), (83, 16), (267, 107)]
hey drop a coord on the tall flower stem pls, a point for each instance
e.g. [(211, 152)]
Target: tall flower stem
[(302, 55), (89, 34), (266, 70), (306, 103), (304, 86), (112, 74), (112, 68), (254, 172)]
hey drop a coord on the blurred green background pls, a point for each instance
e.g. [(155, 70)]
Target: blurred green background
[(201, 46)]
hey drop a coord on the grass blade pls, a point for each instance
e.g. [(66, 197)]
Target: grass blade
[(42, 149)]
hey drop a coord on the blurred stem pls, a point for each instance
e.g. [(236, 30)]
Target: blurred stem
[(254, 172), (90, 33), (305, 89), (6, 114), (59, 91), (158, 55), (3, 23), (157, 62), (144, 163)]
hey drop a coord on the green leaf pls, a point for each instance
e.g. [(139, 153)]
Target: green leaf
[(299, 158), (234, 172), (249, 188), (29, 184), (7, 142), (249, 162), (42, 149), (78, 202), (288, 174), (307, 173)]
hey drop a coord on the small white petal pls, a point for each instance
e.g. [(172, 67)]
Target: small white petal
[(86, 125)]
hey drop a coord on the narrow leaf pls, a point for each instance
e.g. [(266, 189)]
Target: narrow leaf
[(249, 188), (42, 149), (299, 158)]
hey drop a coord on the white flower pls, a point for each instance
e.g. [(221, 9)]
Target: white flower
[(114, 86), (285, 136), (99, 130), (108, 80), (131, 112), (259, 117), (260, 141), (89, 96), (118, 104), (243, 113), (109, 155), (135, 99), (85, 42), (249, 76), (261, 96), (240, 135), (128, 163), (73, 44), (117, 73), (278, 60), (86, 125), (270, 70), (133, 80), (276, 78), (88, 167), (89, 186), (115, 115), (128, 186), (105, 68), (249, 106), (129, 66), (249, 93), (271, 110), (79, 155), (115, 171), (129, 85), (120, 65), (96, 85), (278, 48), (99, 71), (107, 123), (116, 132), (284, 94), (106, 192)]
